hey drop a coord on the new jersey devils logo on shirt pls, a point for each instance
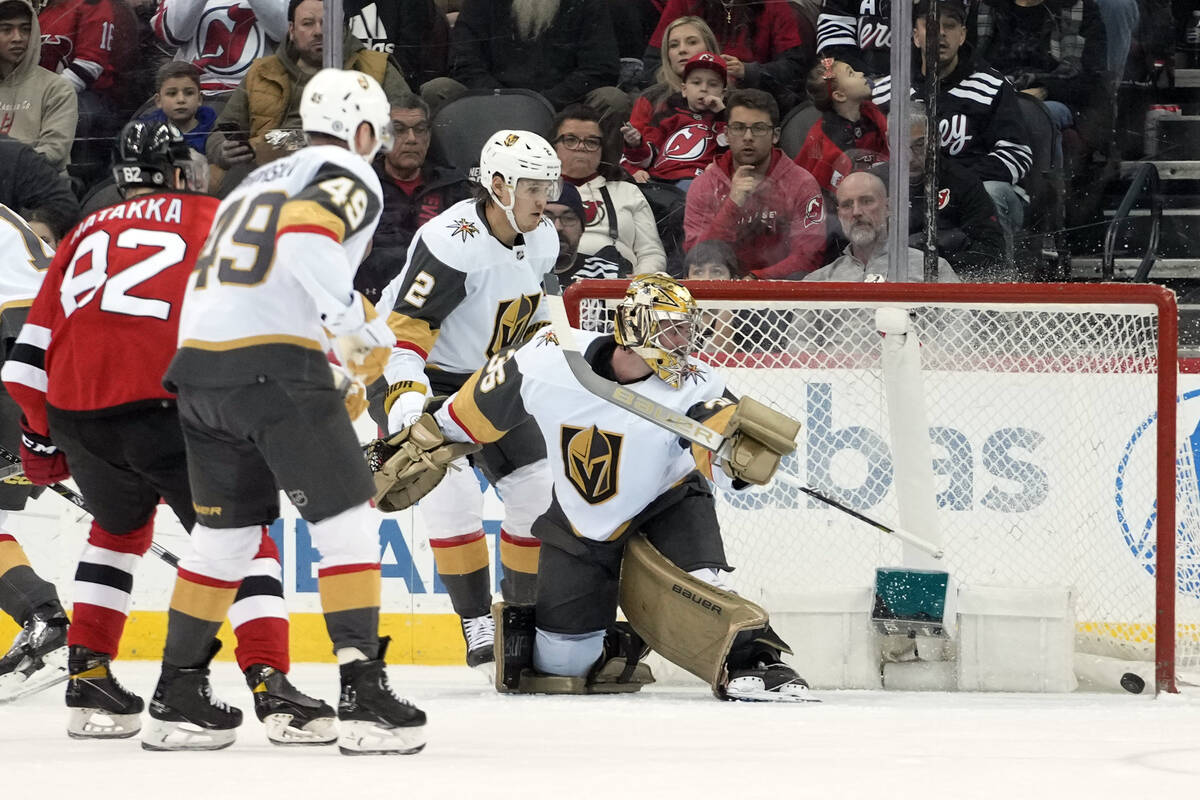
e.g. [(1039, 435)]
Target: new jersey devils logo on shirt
[(56, 50), (593, 212), (229, 40), (943, 198), (686, 144)]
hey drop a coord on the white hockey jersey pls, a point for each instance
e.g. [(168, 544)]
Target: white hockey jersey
[(464, 296), (277, 270), (24, 264), (607, 464)]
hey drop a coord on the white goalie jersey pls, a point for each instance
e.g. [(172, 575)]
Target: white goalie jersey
[(607, 464), (463, 296)]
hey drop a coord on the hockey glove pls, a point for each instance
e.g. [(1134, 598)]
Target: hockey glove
[(365, 350), (410, 464), (759, 437), (44, 464), (354, 393)]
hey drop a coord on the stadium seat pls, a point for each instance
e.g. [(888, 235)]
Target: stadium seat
[(795, 127), (667, 202), (462, 126)]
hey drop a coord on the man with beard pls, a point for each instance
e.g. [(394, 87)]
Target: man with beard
[(568, 217), (563, 49), (261, 121), (756, 199), (862, 208)]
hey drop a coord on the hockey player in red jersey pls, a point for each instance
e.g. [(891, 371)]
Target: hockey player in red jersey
[(115, 288)]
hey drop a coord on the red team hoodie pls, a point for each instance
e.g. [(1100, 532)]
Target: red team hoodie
[(779, 231)]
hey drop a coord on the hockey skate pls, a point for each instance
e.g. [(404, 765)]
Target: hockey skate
[(373, 720), (100, 708), (185, 716), (768, 683), (480, 634), (38, 656), (290, 716)]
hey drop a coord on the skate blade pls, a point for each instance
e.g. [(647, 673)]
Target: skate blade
[(163, 736), (488, 670), (360, 738), (32, 677), (96, 723), (280, 731), (753, 690)]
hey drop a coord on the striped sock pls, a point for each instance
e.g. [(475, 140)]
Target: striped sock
[(103, 586), (21, 590), (198, 606), (259, 615), (519, 556), (462, 562), (350, 599)]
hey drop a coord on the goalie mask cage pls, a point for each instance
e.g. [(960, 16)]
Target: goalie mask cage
[(1052, 423)]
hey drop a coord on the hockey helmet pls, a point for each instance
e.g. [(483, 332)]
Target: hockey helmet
[(337, 101), (148, 153), (516, 156), (658, 319)]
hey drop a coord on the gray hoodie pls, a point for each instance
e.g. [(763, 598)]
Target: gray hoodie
[(37, 106)]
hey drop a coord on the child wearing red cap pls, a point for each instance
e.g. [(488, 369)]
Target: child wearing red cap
[(684, 137)]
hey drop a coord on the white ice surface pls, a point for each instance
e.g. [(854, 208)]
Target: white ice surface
[(666, 742)]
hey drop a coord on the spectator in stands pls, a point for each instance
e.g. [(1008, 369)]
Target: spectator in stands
[(563, 49), (37, 107), (414, 192), (711, 261), (266, 105), (177, 96), (48, 227), (857, 32), (633, 23), (222, 37), (979, 122), (31, 183), (620, 236), (760, 41), (968, 233), (567, 214), (150, 53), (862, 208), (851, 135), (757, 200), (683, 138), (414, 32), (1054, 51)]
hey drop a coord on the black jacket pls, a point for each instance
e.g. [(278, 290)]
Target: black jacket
[(969, 235), (414, 32), (576, 55), (29, 181), (398, 223)]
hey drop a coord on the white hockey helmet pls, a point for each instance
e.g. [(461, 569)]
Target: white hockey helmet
[(517, 155), (337, 101)]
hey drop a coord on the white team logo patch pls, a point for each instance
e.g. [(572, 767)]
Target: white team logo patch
[(298, 497)]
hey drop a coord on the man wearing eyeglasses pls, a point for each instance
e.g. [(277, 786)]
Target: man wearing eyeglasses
[(756, 199), (414, 192)]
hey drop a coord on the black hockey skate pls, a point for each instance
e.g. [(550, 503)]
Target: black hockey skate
[(184, 715), (290, 716), (38, 656), (373, 720), (100, 708), (768, 683), (480, 635)]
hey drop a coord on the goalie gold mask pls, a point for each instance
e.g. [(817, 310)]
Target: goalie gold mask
[(658, 320)]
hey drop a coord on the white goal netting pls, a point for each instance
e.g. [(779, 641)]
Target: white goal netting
[(1043, 419)]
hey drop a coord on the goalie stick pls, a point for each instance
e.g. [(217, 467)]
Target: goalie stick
[(683, 426), (72, 496)]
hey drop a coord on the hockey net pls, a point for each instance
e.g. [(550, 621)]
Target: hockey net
[(1053, 431)]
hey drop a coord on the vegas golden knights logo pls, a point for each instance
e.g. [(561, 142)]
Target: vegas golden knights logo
[(591, 458), (512, 320)]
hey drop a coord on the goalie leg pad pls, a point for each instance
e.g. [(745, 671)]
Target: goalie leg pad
[(691, 623)]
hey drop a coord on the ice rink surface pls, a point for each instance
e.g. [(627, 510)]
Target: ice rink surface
[(667, 742)]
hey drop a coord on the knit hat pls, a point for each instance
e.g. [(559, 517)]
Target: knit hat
[(569, 197), (706, 61)]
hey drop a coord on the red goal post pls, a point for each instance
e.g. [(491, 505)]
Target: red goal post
[(1054, 434)]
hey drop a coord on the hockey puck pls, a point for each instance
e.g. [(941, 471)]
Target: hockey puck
[(1132, 683)]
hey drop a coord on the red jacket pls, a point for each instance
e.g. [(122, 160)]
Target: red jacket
[(677, 143), (835, 146), (779, 231), (776, 30), (91, 43)]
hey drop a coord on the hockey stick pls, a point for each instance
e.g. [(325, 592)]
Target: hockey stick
[(683, 426), (72, 496)]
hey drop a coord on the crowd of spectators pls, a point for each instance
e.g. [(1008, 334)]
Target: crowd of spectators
[(675, 99)]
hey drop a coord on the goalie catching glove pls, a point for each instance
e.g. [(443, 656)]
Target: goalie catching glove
[(758, 437), (410, 464), (365, 348)]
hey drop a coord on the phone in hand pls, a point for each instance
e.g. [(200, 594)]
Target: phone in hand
[(233, 133)]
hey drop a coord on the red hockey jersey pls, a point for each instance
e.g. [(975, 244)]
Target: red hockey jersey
[(89, 41), (104, 325), (677, 143)]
